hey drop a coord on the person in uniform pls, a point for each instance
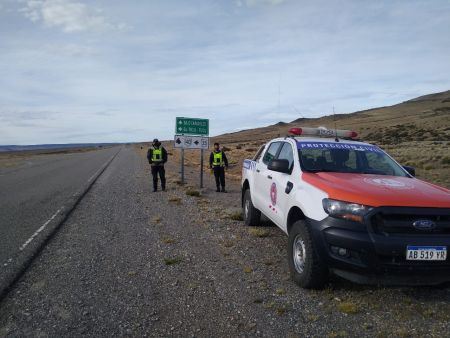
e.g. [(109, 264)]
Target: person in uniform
[(218, 162), (157, 157)]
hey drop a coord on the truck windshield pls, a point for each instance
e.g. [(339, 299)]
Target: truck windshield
[(347, 158)]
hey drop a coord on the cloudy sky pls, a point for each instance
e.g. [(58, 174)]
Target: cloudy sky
[(119, 71)]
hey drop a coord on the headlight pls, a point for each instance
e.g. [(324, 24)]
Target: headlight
[(351, 211)]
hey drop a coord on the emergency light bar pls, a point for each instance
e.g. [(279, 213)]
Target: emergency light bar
[(323, 132)]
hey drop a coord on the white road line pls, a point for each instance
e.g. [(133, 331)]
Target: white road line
[(101, 168), (29, 240)]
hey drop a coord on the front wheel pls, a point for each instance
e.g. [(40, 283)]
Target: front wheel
[(252, 216), (305, 266)]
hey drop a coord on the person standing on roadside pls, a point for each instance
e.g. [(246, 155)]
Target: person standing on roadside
[(218, 162), (157, 157)]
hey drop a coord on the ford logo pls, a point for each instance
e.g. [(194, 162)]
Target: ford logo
[(424, 224)]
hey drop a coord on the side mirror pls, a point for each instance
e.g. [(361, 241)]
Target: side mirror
[(410, 170), (281, 166)]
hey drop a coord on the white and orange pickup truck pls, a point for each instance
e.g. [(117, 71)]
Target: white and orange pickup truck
[(349, 209)]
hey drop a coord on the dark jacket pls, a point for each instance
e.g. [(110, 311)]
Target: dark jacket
[(224, 158), (164, 156)]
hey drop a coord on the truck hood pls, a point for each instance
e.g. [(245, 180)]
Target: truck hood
[(379, 190)]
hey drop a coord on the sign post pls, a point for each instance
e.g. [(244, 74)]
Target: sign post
[(182, 166), (191, 133), (201, 168)]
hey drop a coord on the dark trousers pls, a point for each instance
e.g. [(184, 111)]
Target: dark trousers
[(219, 174), (159, 170)]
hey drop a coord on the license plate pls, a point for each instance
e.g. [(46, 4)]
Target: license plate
[(426, 253)]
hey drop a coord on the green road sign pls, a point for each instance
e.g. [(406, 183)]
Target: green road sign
[(190, 126)]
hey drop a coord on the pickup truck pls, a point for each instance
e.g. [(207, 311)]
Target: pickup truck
[(348, 209)]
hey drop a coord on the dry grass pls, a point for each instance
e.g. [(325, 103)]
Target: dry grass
[(169, 240), (248, 269), (347, 308), (259, 232), (172, 261), (174, 199), (280, 291), (236, 216), (193, 193)]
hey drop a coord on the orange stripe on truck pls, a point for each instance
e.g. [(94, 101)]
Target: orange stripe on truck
[(379, 190)]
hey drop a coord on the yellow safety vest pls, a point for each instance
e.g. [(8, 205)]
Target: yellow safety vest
[(157, 155), (218, 159)]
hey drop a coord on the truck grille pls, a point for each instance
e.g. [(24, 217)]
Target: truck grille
[(387, 221)]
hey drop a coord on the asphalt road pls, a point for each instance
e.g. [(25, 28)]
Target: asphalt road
[(31, 193)]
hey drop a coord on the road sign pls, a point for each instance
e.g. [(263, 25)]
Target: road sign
[(191, 142), (191, 126)]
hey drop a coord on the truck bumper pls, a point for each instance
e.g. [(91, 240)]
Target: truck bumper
[(371, 253)]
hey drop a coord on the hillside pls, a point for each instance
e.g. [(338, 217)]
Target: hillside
[(414, 132), (426, 118)]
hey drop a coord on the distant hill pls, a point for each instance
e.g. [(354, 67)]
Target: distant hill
[(15, 148), (420, 119)]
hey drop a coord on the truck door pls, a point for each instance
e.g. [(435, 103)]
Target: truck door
[(263, 179), (281, 186)]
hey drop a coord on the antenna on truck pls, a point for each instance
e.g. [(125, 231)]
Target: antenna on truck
[(335, 125)]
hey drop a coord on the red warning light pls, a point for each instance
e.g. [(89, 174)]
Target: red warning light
[(295, 131), (353, 134), (323, 132)]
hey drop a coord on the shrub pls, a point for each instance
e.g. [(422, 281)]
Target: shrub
[(348, 308), (259, 232), (175, 199), (172, 261), (194, 193), (236, 216), (168, 240)]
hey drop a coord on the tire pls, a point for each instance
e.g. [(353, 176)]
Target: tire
[(252, 216), (305, 266)]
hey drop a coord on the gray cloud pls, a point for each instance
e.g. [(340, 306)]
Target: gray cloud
[(69, 16), (26, 116), (254, 3)]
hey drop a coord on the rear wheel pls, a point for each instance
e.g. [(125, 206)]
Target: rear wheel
[(305, 266), (252, 216)]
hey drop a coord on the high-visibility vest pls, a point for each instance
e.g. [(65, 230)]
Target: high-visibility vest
[(218, 159), (157, 155)]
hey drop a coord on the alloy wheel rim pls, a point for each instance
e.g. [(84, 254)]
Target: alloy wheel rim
[(299, 254), (247, 207)]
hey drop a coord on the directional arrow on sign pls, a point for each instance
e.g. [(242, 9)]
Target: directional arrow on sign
[(191, 142)]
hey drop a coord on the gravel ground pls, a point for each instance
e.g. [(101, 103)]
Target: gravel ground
[(130, 262)]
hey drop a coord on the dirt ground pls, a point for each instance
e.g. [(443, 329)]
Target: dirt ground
[(256, 259)]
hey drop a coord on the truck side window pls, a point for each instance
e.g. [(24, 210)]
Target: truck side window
[(259, 153), (286, 153), (271, 152)]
